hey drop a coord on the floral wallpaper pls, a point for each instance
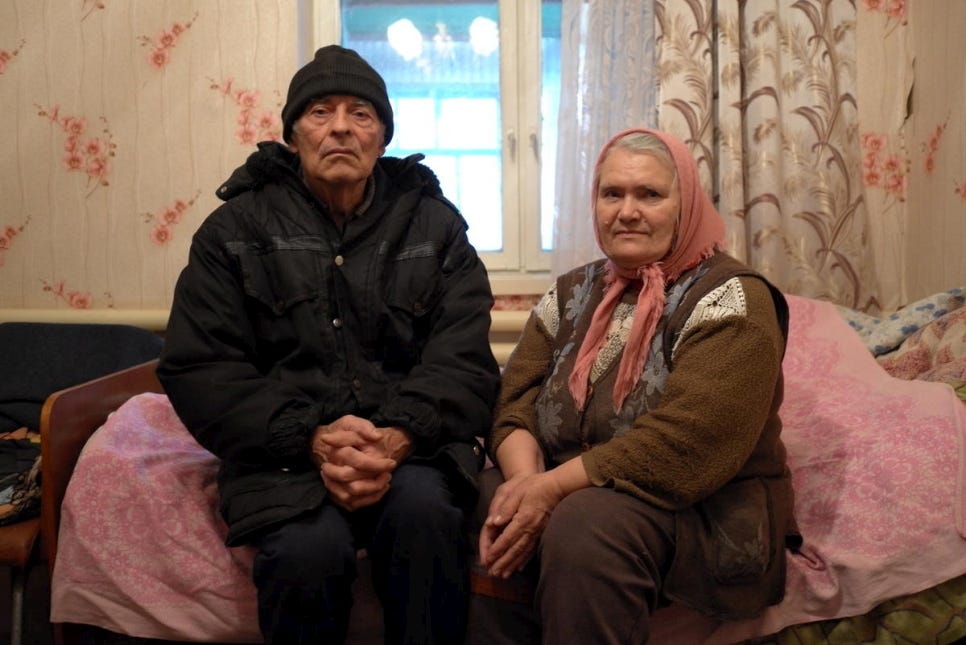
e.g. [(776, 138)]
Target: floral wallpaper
[(934, 133), (121, 120), (831, 134)]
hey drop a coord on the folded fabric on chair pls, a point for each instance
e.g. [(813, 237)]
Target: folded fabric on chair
[(19, 475)]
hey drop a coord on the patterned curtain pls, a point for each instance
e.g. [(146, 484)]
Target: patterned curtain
[(765, 93)]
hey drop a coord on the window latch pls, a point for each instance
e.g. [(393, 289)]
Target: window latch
[(511, 142)]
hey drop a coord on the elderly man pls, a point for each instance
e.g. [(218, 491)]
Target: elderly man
[(328, 341)]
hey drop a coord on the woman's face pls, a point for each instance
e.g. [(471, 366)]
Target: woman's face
[(636, 208)]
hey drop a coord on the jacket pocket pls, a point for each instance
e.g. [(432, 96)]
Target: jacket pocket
[(282, 274), (737, 518), (414, 291), (255, 500), (416, 282), (727, 560), (462, 463)]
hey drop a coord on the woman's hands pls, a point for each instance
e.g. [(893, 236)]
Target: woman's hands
[(356, 459), (516, 519), (523, 503)]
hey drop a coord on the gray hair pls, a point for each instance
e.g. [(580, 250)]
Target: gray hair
[(643, 143)]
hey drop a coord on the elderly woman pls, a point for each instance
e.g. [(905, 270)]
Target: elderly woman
[(637, 429)]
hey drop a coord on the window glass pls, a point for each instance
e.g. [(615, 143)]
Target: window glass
[(483, 115), (421, 115), (441, 62), (442, 65)]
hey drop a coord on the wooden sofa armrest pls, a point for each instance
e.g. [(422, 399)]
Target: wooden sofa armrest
[(67, 420)]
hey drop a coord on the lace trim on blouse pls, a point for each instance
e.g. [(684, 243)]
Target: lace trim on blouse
[(725, 301), (548, 312), (615, 340)]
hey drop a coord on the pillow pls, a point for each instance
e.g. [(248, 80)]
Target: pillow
[(937, 352)]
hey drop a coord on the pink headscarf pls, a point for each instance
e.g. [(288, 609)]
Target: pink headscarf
[(700, 230)]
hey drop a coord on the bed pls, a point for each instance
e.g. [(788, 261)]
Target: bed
[(875, 426)]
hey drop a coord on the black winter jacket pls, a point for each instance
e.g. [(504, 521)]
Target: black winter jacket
[(280, 323)]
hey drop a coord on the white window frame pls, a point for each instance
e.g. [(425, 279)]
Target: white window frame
[(521, 267)]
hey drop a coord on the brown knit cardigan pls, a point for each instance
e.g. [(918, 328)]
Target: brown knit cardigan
[(710, 450)]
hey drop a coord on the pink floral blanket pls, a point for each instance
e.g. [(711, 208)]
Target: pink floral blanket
[(877, 465), (141, 545)]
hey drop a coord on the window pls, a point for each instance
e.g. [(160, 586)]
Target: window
[(478, 95)]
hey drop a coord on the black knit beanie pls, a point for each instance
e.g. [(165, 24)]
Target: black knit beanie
[(336, 70)]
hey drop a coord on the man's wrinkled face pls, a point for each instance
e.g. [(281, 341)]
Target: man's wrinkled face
[(338, 139)]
